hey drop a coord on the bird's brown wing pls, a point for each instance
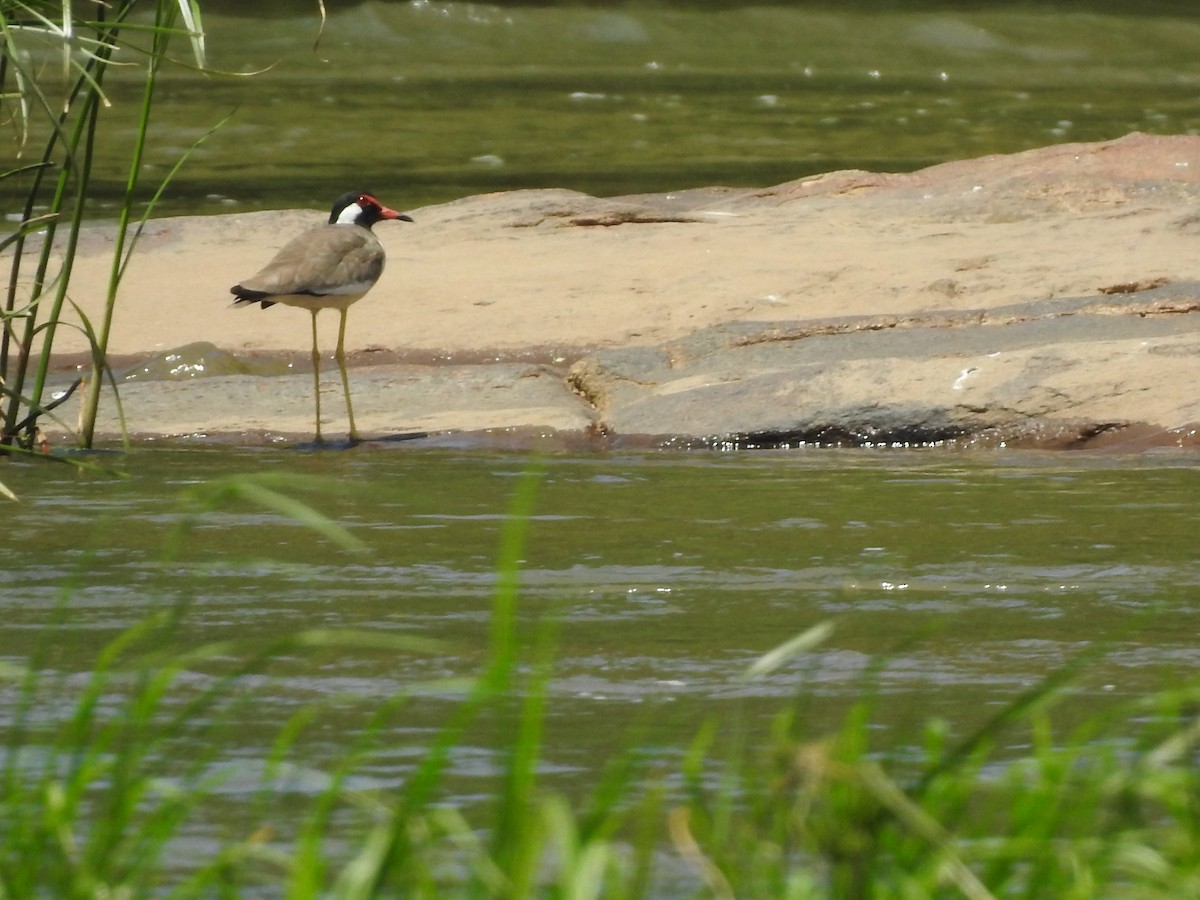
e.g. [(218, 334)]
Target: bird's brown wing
[(319, 262)]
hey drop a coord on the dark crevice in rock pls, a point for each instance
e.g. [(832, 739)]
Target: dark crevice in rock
[(821, 435)]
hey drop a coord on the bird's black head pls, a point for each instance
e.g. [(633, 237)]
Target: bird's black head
[(360, 208)]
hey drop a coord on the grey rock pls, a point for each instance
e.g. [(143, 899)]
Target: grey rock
[(1059, 371)]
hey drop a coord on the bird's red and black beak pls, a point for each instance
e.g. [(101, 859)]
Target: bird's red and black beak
[(385, 213)]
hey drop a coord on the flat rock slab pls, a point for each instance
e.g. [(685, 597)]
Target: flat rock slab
[(1061, 373), (1046, 297), (390, 403)]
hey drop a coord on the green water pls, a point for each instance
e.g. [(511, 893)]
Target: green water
[(964, 578), (428, 101)]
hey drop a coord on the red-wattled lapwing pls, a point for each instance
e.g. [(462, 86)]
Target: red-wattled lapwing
[(327, 267)]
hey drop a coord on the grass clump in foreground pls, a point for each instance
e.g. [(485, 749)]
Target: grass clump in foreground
[(94, 803)]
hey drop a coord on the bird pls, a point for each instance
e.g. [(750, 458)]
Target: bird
[(327, 267)]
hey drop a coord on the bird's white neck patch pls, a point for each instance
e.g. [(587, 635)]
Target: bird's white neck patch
[(349, 215)]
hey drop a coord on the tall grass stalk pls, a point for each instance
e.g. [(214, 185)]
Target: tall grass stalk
[(69, 109)]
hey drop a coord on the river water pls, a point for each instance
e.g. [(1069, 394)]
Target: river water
[(428, 101), (954, 581)]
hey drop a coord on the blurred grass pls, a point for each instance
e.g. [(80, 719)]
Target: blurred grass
[(95, 799)]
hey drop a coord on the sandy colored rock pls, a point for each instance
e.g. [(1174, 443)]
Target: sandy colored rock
[(394, 401), (562, 277), (1062, 377)]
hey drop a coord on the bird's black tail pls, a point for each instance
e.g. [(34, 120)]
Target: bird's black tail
[(242, 296)]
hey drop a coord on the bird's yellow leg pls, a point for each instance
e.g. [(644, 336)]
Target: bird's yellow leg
[(341, 361), (316, 364)]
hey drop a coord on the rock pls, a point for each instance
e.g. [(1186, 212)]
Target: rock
[(1070, 369), (1046, 297), (390, 402)]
